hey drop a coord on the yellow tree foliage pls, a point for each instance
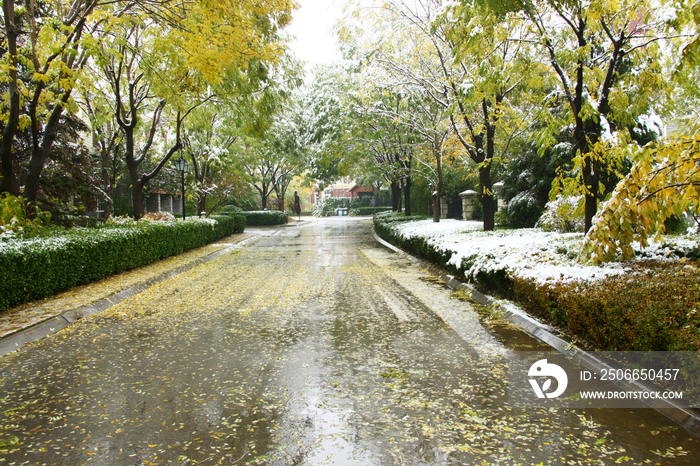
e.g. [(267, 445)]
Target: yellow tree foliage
[(664, 181)]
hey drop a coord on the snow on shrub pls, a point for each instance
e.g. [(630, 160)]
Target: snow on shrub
[(159, 217), (120, 220), (563, 215), (630, 306)]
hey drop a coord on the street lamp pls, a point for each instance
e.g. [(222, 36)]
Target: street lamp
[(184, 167)]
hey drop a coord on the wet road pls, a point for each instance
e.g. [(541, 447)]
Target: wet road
[(311, 346)]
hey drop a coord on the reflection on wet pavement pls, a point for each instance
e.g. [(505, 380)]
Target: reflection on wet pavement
[(312, 346)]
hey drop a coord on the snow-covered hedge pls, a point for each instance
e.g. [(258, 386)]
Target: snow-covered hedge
[(618, 306), (37, 268)]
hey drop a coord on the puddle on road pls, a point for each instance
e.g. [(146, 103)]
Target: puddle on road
[(507, 333)]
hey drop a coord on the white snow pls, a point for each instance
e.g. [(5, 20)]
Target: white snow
[(544, 257), (667, 14)]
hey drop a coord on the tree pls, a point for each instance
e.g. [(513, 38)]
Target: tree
[(180, 61), (469, 69), (664, 180), (486, 64), (606, 59), (287, 139), (46, 47), (125, 66), (326, 123), (379, 117), (49, 44), (106, 138), (207, 141), (273, 160)]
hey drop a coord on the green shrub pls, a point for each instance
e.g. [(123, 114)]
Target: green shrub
[(231, 209), (383, 225), (15, 223), (523, 211), (477, 209), (265, 217), (72, 221), (40, 267), (655, 310), (239, 223), (675, 225)]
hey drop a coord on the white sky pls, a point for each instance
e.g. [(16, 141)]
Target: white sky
[(311, 26)]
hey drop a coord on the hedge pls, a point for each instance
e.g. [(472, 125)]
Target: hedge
[(383, 224), (369, 210), (37, 268), (652, 309), (265, 217)]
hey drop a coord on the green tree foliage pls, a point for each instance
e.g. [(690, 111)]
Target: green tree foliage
[(154, 53), (664, 181), (327, 123), (606, 58), (46, 44)]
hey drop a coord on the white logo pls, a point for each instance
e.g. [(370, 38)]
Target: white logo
[(542, 369)]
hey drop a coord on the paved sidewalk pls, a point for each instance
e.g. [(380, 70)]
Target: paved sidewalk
[(33, 321)]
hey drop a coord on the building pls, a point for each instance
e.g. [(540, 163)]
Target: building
[(341, 190)]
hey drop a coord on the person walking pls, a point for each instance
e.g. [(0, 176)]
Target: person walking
[(297, 205)]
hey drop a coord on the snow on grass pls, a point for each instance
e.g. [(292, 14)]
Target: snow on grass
[(530, 253)]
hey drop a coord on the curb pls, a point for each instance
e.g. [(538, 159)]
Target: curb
[(38, 331), (533, 327)]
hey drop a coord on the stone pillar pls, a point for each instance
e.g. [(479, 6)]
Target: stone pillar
[(177, 205), (468, 198), (501, 204), (167, 203), (444, 209)]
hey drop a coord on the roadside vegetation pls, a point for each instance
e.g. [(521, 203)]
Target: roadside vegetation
[(649, 303), (37, 261)]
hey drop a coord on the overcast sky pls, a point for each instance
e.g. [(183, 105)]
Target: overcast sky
[(312, 25)]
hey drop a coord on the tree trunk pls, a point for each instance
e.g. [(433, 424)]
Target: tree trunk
[(395, 197), (589, 171), (137, 191), (263, 196), (31, 186), (133, 169), (590, 180), (201, 204), (106, 186), (487, 202), (9, 178), (407, 196), (437, 207)]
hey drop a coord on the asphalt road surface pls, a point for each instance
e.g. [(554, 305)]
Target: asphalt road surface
[(312, 345)]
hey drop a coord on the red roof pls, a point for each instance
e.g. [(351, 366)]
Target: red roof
[(361, 189)]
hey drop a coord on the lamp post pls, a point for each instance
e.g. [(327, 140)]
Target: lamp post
[(184, 167)]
